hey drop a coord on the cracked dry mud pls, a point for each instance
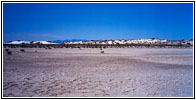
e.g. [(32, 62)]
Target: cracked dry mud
[(120, 72)]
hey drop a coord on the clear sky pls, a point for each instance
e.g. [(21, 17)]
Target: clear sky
[(60, 21)]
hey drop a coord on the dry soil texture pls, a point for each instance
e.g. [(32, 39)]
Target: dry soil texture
[(119, 72)]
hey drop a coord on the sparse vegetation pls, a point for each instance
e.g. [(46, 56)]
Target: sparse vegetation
[(9, 52), (32, 42), (171, 44), (102, 52), (6, 50), (22, 50)]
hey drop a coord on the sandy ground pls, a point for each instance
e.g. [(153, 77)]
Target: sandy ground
[(119, 72)]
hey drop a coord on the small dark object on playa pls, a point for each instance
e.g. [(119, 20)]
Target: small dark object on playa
[(35, 50), (9, 52), (102, 52), (22, 50)]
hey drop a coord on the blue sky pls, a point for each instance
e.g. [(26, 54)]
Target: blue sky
[(60, 21)]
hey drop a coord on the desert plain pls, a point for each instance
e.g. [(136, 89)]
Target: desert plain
[(118, 72)]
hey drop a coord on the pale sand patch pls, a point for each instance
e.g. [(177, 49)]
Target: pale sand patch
[(175, 59)]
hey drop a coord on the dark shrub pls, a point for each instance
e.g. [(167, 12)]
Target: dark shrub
[(80, 48), (102, 52), (6, 50), (22, 50), (9, 52)]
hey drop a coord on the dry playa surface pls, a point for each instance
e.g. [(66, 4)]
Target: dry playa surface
[(119, 72)]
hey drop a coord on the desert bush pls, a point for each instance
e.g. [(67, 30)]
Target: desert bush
[(35, 50), (80, 48), (9, 52), (102, 52), (6, 50), (22, 50)]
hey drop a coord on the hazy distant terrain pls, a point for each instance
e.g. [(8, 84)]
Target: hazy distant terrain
[(119, 72)]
